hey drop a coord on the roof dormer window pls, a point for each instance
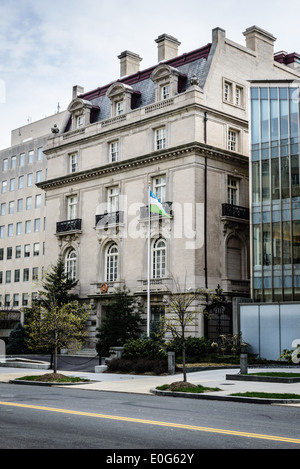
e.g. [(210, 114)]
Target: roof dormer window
[(165, 79)]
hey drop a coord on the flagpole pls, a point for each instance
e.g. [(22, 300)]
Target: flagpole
[(149, 263)]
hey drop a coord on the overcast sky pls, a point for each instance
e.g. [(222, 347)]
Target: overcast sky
[(47, 47)]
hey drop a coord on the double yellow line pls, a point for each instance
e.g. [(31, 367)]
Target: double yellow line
[(155, 422)]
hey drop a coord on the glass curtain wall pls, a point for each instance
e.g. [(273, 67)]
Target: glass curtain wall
[(275, 193)]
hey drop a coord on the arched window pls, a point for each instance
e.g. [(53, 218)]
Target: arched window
[(159, 259), (112, 255), (71, 264)]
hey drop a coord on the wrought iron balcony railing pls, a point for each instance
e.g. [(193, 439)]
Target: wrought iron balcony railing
[(68, 225), (144, 211), (235, 211), (112, 218)]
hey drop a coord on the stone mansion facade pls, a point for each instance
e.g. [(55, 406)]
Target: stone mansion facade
[(181, 127)]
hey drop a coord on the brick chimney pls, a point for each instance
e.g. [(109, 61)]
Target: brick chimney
[(129, 63), (167, 47)]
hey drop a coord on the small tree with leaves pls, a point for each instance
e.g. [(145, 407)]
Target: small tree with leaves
[(57, 326), (182, 307), (56, 318), (122, 321)]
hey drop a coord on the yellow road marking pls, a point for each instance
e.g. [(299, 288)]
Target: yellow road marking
[(155, 422)]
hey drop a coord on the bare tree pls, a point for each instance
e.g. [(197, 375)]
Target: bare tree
[(182, 307)]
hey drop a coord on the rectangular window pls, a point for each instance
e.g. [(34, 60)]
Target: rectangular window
[(160, 138), (73, 161), (2, 230), (20, 205), (24, 299), (30, 156), (38, 201), (5, 164), (28, 226), (19, 228), (113, 199), (25, 275), (232, 191), (119, 108), (10, 230), (13, 162), (16, 299), (40, 154), (72, 207), (3, 209), (165, 92), (36, 249), (7, 301), (1, 277), (8, 276), (21, 182), (114, 151), (232, 144), (4, 187), (35, 273), (18, 252), (159, 188), (37, 225), (11, 207), (29, 179), (22, 159), (238, 96), (9, 253), (12, 184), (39, 176), (28, 203), (17, 275), (227, 91), (27, 250), (1, 254)]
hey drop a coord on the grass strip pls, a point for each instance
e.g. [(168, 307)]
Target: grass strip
[(267, 395), (277, 374), (194, 389), (52, 377)]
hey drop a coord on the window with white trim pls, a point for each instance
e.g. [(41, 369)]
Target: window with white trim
[(112, 257), (113, 199), (165, 91), (73, 162), (119, 108), (232, 140), (233, 93), (71, 264), (160, 138), (232, 191), (72, 203), (114, 151), (159, 188), (159, 258)]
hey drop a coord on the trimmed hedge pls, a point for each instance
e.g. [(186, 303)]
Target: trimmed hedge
[(138, 366)]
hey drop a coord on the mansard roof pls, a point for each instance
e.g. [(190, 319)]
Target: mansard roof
[(186, 66)]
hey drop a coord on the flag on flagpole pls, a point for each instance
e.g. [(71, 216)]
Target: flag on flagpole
[(156, 206)]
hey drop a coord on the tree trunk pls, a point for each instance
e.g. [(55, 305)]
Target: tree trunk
[(183, 361)]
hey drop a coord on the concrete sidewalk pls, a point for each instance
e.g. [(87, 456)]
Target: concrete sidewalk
[(142, 384)]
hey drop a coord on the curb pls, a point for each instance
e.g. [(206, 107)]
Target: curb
[(249, 400), (46, 383), (263, 379)]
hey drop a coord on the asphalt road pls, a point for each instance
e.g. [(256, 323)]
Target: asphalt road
[(36, 417)]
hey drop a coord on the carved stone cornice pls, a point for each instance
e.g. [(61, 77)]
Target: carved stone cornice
[(146, 160)]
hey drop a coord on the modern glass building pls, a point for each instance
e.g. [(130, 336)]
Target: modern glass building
[(275, 206)]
